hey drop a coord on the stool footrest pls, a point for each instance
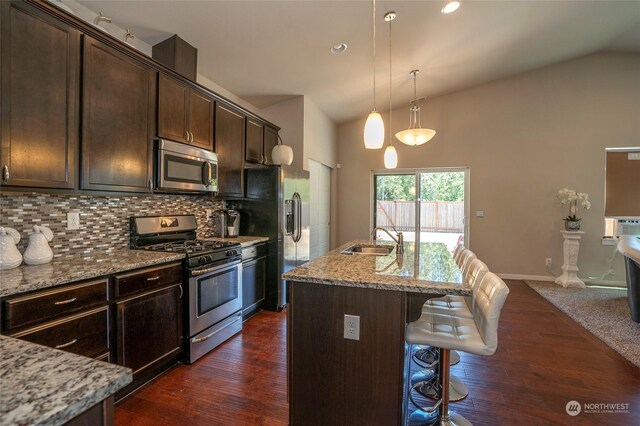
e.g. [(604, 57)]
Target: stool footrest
[(430, 409)]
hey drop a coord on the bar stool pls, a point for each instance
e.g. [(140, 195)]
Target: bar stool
[(457, 251), (425, 356), (477, 335), (448, 305)]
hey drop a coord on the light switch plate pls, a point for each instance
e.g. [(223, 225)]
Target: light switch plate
[(352, 327), (479, 213)]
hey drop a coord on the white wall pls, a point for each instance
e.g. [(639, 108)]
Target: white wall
[(523, 138)]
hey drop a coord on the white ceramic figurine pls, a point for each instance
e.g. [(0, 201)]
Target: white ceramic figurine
[(10, 257), (38, 250)]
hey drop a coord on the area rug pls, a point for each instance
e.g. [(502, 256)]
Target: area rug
[(603, 312)]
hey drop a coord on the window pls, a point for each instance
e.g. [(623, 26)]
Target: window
[(622, 191), (428, 206)]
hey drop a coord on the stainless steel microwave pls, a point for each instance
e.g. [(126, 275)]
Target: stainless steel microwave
[(185, 168)]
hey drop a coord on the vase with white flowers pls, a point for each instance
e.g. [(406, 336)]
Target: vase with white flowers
[(573, 198)]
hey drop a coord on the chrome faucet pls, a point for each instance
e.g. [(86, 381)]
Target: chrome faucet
[(399, 240)]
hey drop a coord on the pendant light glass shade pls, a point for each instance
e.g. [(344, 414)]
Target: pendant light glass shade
[(374, 131), (415, 134), (390, 157)]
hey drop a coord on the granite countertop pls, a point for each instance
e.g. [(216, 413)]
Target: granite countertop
[(69, 269), (431, 271), (245, 241), (40, 385)]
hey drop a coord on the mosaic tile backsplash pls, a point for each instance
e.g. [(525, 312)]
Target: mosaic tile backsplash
[(104, 220)]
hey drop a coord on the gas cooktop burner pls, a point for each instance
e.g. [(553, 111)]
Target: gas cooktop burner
[(191, 247)]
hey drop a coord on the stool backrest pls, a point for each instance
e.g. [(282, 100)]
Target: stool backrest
[(477, 269), (462, 257), (486, 304), (466, 261), (457, 251)]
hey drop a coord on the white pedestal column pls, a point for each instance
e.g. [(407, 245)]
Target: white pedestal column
[(571, 246)]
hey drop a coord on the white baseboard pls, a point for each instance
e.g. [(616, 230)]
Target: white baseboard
[(552, 278)]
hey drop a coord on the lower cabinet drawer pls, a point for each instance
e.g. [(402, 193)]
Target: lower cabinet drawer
[(84, 334)]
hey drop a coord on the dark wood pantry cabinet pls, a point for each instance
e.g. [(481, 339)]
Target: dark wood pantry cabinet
[(40, 79), (185, 114), (118, 123), (229, 140)]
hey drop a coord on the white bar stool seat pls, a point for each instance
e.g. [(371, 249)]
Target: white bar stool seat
[(477, 335)]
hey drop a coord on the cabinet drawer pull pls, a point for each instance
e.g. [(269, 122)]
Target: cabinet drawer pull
[(180, 287), (64, 302), (65, 345), (154, 278)]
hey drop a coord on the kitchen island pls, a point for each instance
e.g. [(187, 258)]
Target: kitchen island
[(338, 380), (41, 385)]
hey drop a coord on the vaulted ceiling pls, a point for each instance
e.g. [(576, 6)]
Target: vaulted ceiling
[(264, 51)]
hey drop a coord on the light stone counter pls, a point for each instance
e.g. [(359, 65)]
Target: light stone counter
[(40, 385), (431, 271), (69, 269), (244, 241)]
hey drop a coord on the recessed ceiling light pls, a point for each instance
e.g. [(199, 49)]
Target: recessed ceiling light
[(338, 48), (450, 7)]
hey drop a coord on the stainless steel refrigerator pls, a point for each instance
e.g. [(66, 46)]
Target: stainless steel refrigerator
[(295, 222), (276, 205)]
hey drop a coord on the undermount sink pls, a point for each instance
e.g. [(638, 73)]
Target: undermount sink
[(369, 249)]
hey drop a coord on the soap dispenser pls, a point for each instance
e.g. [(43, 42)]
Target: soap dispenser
[(10, 257), (38, 250)]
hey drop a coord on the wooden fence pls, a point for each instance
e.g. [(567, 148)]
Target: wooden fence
[(435, 216)]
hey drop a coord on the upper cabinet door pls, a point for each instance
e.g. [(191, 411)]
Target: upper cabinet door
[(39, 107), (229, 140), (173, 104), (117, 120), (201, 119), (253, 150), (270, 140)]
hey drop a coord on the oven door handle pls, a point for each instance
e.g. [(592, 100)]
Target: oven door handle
[(199, 272)]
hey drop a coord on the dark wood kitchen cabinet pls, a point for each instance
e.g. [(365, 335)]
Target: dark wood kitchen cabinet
[(74, 318), (118, 123), (270, 140), (40, 63), (184, 113), (148, 320), (254, 275), (229, 141), (254, 149)]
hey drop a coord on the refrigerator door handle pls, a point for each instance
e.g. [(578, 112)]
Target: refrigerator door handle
[(298, 217)]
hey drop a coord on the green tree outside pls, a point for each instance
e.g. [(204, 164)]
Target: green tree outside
[(441, 186)]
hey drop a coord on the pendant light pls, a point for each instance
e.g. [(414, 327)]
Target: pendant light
[(415, 134), (390, 154), (374, 127)]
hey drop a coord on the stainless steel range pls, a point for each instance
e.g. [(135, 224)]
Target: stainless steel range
[(213, 271)]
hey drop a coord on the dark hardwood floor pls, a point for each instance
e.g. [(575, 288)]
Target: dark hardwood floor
[(544, 360)]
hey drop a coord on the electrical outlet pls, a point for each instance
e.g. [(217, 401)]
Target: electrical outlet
[(73, 221), (547, 261), (352, 327), (208, 213)]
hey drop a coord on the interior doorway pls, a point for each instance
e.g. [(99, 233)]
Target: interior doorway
[(427, 206)]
